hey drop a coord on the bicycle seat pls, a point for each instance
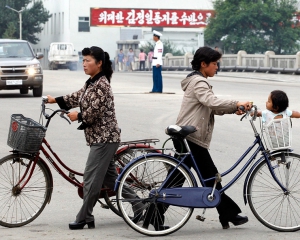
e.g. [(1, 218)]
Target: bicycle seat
[(177, 131)]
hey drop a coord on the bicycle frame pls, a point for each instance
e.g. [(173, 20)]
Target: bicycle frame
[(257, 146), (46, 149)]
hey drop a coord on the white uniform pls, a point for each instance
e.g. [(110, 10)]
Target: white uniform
[(158, 52)]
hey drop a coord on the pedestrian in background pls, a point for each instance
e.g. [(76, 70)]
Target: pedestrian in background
[(157, 63), (130, 60), (142, 58), (150, 55), (121, 59)]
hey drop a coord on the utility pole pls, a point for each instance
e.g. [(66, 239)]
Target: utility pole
[(20, 17)]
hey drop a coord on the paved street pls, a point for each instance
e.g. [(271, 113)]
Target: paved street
[(144, 115)]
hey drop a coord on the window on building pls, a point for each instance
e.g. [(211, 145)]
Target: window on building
[(83, 24), (62, 22)]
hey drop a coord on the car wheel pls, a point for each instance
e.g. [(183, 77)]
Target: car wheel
[(24, 90), (38, 92), (52, 66)]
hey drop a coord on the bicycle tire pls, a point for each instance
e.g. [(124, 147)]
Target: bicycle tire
[(20, 207), (146, 175), (121, 159), (269, 204)]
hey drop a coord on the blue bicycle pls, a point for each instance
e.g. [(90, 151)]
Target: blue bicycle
[(169, 190)]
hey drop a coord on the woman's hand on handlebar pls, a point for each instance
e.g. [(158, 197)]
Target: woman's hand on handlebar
[(51, 99), (242, 107), (73, 116)]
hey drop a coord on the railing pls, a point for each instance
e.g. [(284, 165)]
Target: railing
[(268, 62)]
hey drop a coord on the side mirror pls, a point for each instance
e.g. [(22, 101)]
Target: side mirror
[(39, 55)]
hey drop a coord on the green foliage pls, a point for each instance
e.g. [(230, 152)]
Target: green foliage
[(169, 47), (10, 31), (32, 19), (254, 26)]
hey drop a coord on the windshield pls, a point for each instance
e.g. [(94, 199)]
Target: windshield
[(15, 50)]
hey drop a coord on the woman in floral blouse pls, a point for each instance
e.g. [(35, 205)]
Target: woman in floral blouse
[(98, 120)]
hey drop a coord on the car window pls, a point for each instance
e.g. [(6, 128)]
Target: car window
[(15, 50)]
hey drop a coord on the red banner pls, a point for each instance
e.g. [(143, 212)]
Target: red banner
[(149, 17)]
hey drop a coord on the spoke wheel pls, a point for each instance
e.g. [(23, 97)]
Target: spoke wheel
[(270, 205), (144, 178), (18, 206), (121, 159)]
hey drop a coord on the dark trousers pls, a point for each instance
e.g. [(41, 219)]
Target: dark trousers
[(142, 65), (157, 79), (227, 207), (101, 170)]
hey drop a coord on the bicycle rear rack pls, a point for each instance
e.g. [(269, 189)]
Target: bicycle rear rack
[(142, 141)]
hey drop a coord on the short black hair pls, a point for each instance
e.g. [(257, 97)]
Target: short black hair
[(205, 54), (142, 50), (280, 100)]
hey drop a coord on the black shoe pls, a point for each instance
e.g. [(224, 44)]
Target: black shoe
[(161, 228), (237, 220), (80, 225)]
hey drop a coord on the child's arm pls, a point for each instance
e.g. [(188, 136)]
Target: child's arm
[(295, 114)]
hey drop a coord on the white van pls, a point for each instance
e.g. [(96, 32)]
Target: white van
[(62, 55)]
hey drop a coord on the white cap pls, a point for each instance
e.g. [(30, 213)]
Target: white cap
[(156, 33)]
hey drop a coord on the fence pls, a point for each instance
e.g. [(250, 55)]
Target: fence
[(268, 62)]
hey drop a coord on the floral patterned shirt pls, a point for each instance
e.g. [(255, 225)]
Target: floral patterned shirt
[(96, 102)]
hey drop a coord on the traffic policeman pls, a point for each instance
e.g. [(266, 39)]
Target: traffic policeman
[(157, 63)]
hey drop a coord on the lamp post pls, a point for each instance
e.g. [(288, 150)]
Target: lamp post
[(20, 17)]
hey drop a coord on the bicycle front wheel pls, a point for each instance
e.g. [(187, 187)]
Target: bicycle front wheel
[(18, 206), (144, 178), (270, 205), (121, 159)]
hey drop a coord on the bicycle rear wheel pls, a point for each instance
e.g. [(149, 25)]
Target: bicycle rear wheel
[(121, 159), (145, 177), (270, 205), (20, 207)]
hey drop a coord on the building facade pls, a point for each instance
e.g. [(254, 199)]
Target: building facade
[(73, 21)]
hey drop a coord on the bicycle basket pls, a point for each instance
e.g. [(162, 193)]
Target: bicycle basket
[(279, 133), (25, 134)]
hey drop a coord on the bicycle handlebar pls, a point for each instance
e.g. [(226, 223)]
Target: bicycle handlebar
[(47, 116), (252, 112)]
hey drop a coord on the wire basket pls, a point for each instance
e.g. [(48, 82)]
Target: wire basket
[(25, 134), (279, 133)]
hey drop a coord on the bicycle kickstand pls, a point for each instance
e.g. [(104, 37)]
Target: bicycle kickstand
[(201, 218), (103, 205)]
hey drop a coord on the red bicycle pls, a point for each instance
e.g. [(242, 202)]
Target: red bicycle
[(26, 181)]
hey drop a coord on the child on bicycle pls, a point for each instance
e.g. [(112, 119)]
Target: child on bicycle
[(277, 107)]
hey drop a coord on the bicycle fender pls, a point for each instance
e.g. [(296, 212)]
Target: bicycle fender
[(150, 155), (252, 169)]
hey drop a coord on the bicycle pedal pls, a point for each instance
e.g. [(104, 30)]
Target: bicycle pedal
[(200, 218)]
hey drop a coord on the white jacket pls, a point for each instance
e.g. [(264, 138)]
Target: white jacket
[(158, 52)]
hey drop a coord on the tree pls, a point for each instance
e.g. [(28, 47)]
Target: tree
[(32, 19), (254, 26), (169, 47), (10, 31)]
